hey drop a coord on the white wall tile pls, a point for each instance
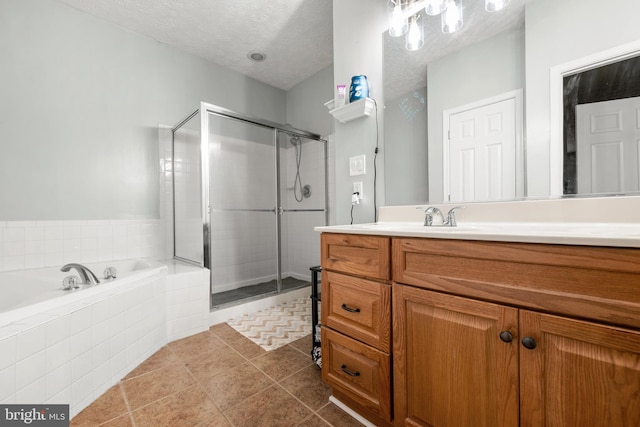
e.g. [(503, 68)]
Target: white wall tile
[(81, 365), (8, 381), (58, 380), (57, 355), (34, 392), (31, 369), (31, 341)]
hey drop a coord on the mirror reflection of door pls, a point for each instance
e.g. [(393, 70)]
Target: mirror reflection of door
[(482, 153), (607, 152)]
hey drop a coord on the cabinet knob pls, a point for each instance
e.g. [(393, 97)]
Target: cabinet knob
[(349, 309), (348, 372), (529, 343), (506, 336)]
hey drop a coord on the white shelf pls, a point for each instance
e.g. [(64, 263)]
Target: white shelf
[(354, 110)]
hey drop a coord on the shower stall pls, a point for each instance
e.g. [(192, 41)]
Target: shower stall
[(247, 194)]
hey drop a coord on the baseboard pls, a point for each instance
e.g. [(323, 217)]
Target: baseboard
[(350, 411)]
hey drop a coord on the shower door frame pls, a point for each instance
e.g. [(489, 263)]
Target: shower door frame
[(205, 110)]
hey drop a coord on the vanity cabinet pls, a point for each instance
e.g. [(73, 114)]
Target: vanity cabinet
[(508, 334), (356, 322)]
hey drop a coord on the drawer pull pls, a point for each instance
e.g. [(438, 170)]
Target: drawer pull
[(529, 343), (506, 336), (349, 309), (348, 372)]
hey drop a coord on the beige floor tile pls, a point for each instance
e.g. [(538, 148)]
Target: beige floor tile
[(159, 359), (122, 421), (281, 363), (303, 345), (206, 365), (195, 344), (272, 407), (235, 385), (157, 384), (307, 386), (189, 407), (107, 407), (314, 421), (337, 417)]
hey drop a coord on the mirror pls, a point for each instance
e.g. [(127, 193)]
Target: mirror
[(485, 59)]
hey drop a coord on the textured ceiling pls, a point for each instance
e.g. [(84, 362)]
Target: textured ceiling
[(296, 35)]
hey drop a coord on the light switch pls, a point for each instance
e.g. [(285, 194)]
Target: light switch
[(357, 165)]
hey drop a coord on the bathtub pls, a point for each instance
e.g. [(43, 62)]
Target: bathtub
[(26, 292), (69, 347)]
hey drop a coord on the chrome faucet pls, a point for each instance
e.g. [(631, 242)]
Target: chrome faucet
[(86, 275), (451, 216), (429, 213), (448, 221)]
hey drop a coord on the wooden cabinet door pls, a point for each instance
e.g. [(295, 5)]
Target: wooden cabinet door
[(578, 374), (450, 366)]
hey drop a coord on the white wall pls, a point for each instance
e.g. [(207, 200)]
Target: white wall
[(305, 103), (558, 32), (80, 104), (357, 49), (480, 71)]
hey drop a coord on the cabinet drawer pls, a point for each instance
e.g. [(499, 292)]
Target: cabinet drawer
[(368, 256), (358, 371), (358, 308)]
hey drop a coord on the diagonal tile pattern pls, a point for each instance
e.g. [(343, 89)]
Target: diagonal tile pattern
[(219, 378)]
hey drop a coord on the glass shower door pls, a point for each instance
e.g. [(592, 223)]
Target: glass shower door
[(302, 182), (243, 209), (187, 190)]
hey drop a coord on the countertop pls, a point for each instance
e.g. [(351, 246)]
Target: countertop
[(591, 234)]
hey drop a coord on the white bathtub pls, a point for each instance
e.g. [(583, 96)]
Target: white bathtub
[(69, 347), (33, 291)]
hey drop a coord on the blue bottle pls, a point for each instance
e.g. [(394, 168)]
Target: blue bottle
[(359, 88)]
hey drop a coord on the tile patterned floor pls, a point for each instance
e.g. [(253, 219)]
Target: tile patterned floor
[(219, 378)]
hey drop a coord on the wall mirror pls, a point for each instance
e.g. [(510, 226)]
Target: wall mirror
[(600, 124), (494, 54)]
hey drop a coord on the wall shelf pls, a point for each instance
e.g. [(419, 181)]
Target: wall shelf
[(353, 110)]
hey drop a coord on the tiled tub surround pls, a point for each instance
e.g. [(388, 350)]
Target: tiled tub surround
[(72, 353), (37, 244)]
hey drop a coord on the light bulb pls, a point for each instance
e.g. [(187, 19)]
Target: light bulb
[(415, 36), (398, 22), (435, 7), (495, 5), (452, 17)]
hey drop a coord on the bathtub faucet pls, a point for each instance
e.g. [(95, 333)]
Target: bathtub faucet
[(86, 275)]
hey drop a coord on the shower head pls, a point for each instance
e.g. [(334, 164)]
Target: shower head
[(295, 140)]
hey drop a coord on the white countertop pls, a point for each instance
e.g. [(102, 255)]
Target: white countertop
[(591, 234), (594, 221)]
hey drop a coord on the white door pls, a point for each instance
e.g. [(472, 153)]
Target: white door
[(607, 151), (482, 152)]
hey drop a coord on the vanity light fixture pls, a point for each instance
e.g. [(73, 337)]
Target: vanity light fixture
[(407, 16), (435, 7), (452, 17), (495, 5), (398, 19), (415, 36)]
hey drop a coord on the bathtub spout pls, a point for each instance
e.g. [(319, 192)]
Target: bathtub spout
[(86, 275)]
